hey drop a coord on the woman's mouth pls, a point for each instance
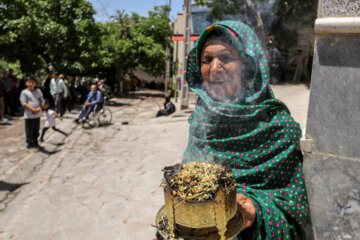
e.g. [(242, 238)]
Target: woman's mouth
[(218, 82)]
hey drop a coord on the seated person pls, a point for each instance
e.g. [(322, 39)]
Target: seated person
[(93, 100), (169, 108)]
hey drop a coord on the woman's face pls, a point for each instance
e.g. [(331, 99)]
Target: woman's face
[(221, 68)]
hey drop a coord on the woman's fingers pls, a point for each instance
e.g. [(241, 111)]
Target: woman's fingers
[(247, 208)]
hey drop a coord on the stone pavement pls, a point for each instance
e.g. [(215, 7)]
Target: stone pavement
[(101, 183)]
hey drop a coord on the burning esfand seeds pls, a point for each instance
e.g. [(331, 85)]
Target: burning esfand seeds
[(198, 181)]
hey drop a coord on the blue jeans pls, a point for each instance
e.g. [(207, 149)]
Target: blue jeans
[(85, 112)]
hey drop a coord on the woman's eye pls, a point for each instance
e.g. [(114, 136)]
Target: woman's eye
[(205, 61), (226, 59)]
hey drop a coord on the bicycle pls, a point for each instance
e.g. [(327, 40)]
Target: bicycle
[(100, 116)]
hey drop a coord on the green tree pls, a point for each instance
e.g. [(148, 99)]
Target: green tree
[(40, 33), (131, 41)]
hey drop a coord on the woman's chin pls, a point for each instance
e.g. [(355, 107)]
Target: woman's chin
[(216, 95), (221, 92), (220, 95)]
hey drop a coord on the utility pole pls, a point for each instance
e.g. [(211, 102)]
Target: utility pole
[(167, 54), (184, 100)]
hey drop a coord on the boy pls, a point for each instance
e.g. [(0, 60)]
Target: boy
[(50, 120), (32, 100)]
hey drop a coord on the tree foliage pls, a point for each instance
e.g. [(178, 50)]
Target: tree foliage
[(131, 41), (64, 35), (39, 33)]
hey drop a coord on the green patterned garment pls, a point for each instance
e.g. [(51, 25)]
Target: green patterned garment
[(255, 135)]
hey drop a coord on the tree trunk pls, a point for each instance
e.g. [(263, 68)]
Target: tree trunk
[(260, 30), (119, 76)]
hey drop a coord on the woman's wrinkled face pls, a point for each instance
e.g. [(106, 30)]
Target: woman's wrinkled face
[(221, 68)]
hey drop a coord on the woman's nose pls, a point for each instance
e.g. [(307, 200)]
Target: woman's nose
[(215, 65)]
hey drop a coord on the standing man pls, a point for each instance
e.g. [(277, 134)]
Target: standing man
[(299, 58), (46, 91), (32, 100), (58, 91), (14, 103), (39, 79), (275, 61)]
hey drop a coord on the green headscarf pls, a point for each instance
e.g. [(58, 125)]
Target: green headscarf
[(255, 135)]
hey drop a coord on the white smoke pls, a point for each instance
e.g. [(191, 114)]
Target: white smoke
[(226, 87)]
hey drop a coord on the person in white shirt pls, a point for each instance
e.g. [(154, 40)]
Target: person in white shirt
[(51, 115), (59, 91)]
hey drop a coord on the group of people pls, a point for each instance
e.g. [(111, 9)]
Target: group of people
[(9, 92), (33, 101), (53, 96), (63, 93)]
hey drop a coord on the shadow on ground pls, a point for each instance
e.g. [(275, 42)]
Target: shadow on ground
[(49, 152), (4, 186), (6, 124), (143, 95), (57, 144), (103, 125), (116, 104)]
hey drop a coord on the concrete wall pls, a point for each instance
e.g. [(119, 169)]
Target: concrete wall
[(178, 52), (339, 8), (332, 165)]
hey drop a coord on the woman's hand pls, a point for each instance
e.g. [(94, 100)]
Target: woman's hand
[(247, 208)]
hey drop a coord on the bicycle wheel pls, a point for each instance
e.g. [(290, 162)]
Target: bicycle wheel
[(93, 120), (105, 116)]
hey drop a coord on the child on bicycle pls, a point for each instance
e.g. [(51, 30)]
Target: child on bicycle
[(51, 115)]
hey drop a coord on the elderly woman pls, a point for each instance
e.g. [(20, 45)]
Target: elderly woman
[(238, 122)]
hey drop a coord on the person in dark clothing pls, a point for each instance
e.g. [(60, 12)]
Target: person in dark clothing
[(82, 90), (68, 102), (7, 84), (2, 104), (93, 100), (169, 108), (275, 62), (14, 101), (46, 91), (22, 85)]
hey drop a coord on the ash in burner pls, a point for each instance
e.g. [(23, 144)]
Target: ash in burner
[(171, 171), (198, 181)]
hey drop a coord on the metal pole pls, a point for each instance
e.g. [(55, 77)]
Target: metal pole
[(167, 54), (167, 70), (187, 24)]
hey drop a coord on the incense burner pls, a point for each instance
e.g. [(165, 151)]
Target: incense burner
[(211, 214)]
